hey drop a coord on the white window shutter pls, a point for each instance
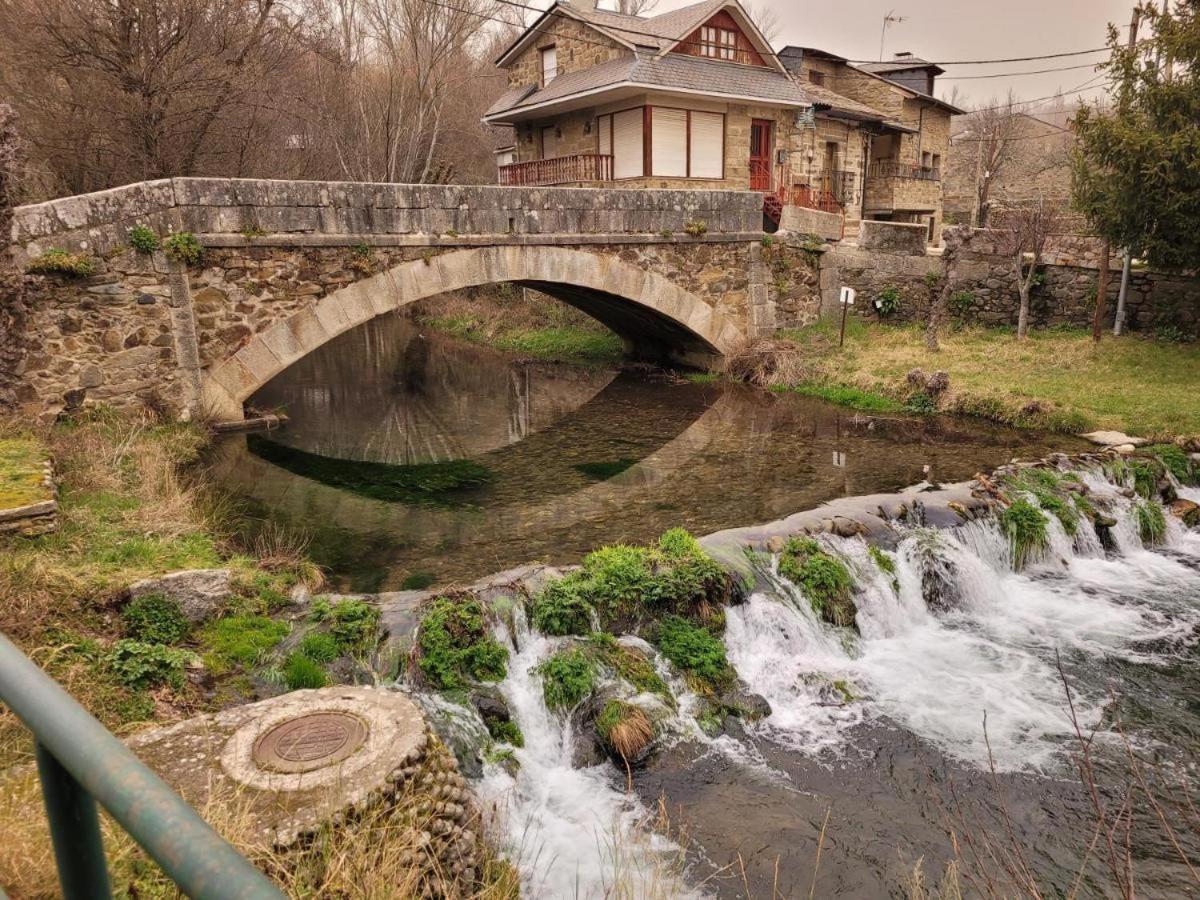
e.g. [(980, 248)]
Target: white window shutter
[(549, 64), (627, 144), (604, 131), (708, 145), (668, 142)]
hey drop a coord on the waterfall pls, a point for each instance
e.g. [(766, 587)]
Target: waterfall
[(990, 645)]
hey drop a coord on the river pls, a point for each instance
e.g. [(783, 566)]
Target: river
[(947, 720)]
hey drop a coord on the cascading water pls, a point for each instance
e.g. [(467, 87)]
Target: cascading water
[(991, 651)]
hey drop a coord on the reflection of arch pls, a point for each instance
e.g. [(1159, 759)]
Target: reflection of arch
[(647, 309)]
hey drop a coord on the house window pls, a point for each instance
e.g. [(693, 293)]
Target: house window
[(681, 143), (937, 162), (718, 43), (817, 78), (550, 142), (549, 64)]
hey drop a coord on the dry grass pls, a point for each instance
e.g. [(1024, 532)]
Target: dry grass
[(1056, 379), (770, 363), (631, 734)]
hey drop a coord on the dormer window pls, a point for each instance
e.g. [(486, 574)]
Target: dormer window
[(718, 43), (549, 64)]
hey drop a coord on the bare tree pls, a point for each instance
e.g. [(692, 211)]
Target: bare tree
[(991, 130), (955, 240), (12, 301), (1021, 235), (635, 7), (766, 19)]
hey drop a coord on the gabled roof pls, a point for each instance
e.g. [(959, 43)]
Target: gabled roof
[(672, 72)]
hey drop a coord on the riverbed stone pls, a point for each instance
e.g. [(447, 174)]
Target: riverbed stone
[(200, 592), (1187, 511), (292, 762), (1115, 439)]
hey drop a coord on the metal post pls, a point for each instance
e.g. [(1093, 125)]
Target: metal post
[(75, 830), (1126, 264)]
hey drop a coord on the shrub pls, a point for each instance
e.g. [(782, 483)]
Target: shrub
[(1145, 472), (145, 665), (155, 619), (1045, 485), (1025, 527), (61, 262), (624, 729), (696, 227), (456, 646), (921, 403), (887, 301), (693, 650), (824, 579), (354, 624), (506, 730), (320, 647), (183, 247), (567, 678), (143, 239), (417, 581), (1178, 462), (931, 279), (961, 302), (301, 672), (1151, 522), (1170, 333)]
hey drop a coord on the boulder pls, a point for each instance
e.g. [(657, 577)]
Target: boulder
[(1112, 439), (200, 592), (1187, 511)]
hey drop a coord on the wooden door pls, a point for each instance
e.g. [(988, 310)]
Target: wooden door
[(760, 155)]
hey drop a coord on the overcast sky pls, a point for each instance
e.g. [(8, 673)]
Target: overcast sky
[(959, 29)]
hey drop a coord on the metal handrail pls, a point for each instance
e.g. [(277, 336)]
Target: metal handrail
[(81, 763)]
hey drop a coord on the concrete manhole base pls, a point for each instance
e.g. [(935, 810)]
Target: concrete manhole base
[(293, 762)]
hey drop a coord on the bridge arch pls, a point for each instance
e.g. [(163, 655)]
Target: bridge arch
[(655, 315)]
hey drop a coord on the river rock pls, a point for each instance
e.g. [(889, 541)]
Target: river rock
[(200, 592), (1187, 511), (490, 704), (1113, 439)]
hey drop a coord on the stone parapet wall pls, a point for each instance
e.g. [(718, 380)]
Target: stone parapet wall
[(100, 222), (892, 237), (800, 220)]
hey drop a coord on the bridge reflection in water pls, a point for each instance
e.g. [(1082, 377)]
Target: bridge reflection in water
[(577, 457)]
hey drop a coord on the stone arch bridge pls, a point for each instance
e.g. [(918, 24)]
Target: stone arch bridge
[(288, 266)]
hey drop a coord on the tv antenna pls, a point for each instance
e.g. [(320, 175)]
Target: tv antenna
[(890, 19)]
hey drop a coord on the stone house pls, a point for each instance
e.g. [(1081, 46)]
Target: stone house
[(598, 97)]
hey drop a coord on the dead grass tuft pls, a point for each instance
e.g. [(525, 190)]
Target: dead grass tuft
[(770, 362)]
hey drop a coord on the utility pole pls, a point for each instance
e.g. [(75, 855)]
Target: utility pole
[(1127, 256)]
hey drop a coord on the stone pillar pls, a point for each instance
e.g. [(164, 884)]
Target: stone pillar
[(761, 307), (183, 327)]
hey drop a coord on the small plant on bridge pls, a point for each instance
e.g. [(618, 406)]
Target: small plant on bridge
[(56, 261), (887, 301), (362, 259), (696, 227), (184, 248), (143, 239), (252, 231)]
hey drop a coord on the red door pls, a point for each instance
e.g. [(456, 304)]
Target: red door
[(760, 155)]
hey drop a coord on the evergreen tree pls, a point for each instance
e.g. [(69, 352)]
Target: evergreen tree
[(1136, 172)]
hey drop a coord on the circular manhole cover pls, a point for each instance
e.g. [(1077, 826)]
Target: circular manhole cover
[(311, 741)]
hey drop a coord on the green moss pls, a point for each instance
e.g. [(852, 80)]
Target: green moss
[(421, 483), (623, 585), (302, 672), (507, 731), (1145, 472), (602, 471), (155, 619), (320, 647), (1151, 522), (702, 377), (845, 395), (567, 678), (56, 261), (884, 562), (1046, 486), (239, 640), (846, 690), (1025, 527), (354, 625), (693, 650), (417, 581), (456, 646), (21, 472), (628, 664), (143, 665), (823, 578)]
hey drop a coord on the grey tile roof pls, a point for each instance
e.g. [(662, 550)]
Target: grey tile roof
[(899, 64), (660, 31)]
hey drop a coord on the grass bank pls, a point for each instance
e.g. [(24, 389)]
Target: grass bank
[(1057, 379), (525, 323)]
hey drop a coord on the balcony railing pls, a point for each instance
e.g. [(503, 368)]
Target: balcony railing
[(891, 168), (558, 170), (812, 198)]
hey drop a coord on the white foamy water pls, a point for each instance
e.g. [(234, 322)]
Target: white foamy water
[(991, 652), (571, 832)]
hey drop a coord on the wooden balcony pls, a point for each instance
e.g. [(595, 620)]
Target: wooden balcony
[(558, 170), (893, 168)]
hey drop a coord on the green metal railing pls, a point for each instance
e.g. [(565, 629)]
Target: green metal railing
[(81, 763)]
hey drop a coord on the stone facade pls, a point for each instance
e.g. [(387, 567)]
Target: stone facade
[(577, 47), (143, 331)]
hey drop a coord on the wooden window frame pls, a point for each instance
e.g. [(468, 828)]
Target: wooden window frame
[(716, 42), (542, 63)]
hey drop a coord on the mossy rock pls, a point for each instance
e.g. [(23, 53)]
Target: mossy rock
[(1025, 527), (455, 646), (824, 579)]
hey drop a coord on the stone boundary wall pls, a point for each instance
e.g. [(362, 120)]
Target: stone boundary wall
[(100, 222), (987, 290), (800, 220), (892, 237)]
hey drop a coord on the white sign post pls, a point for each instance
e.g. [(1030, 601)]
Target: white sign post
[(847, 298)]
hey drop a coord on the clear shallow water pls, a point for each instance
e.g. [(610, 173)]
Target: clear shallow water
[(579, 457)]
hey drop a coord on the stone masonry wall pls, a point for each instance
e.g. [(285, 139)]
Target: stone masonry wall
[(578, 46)]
